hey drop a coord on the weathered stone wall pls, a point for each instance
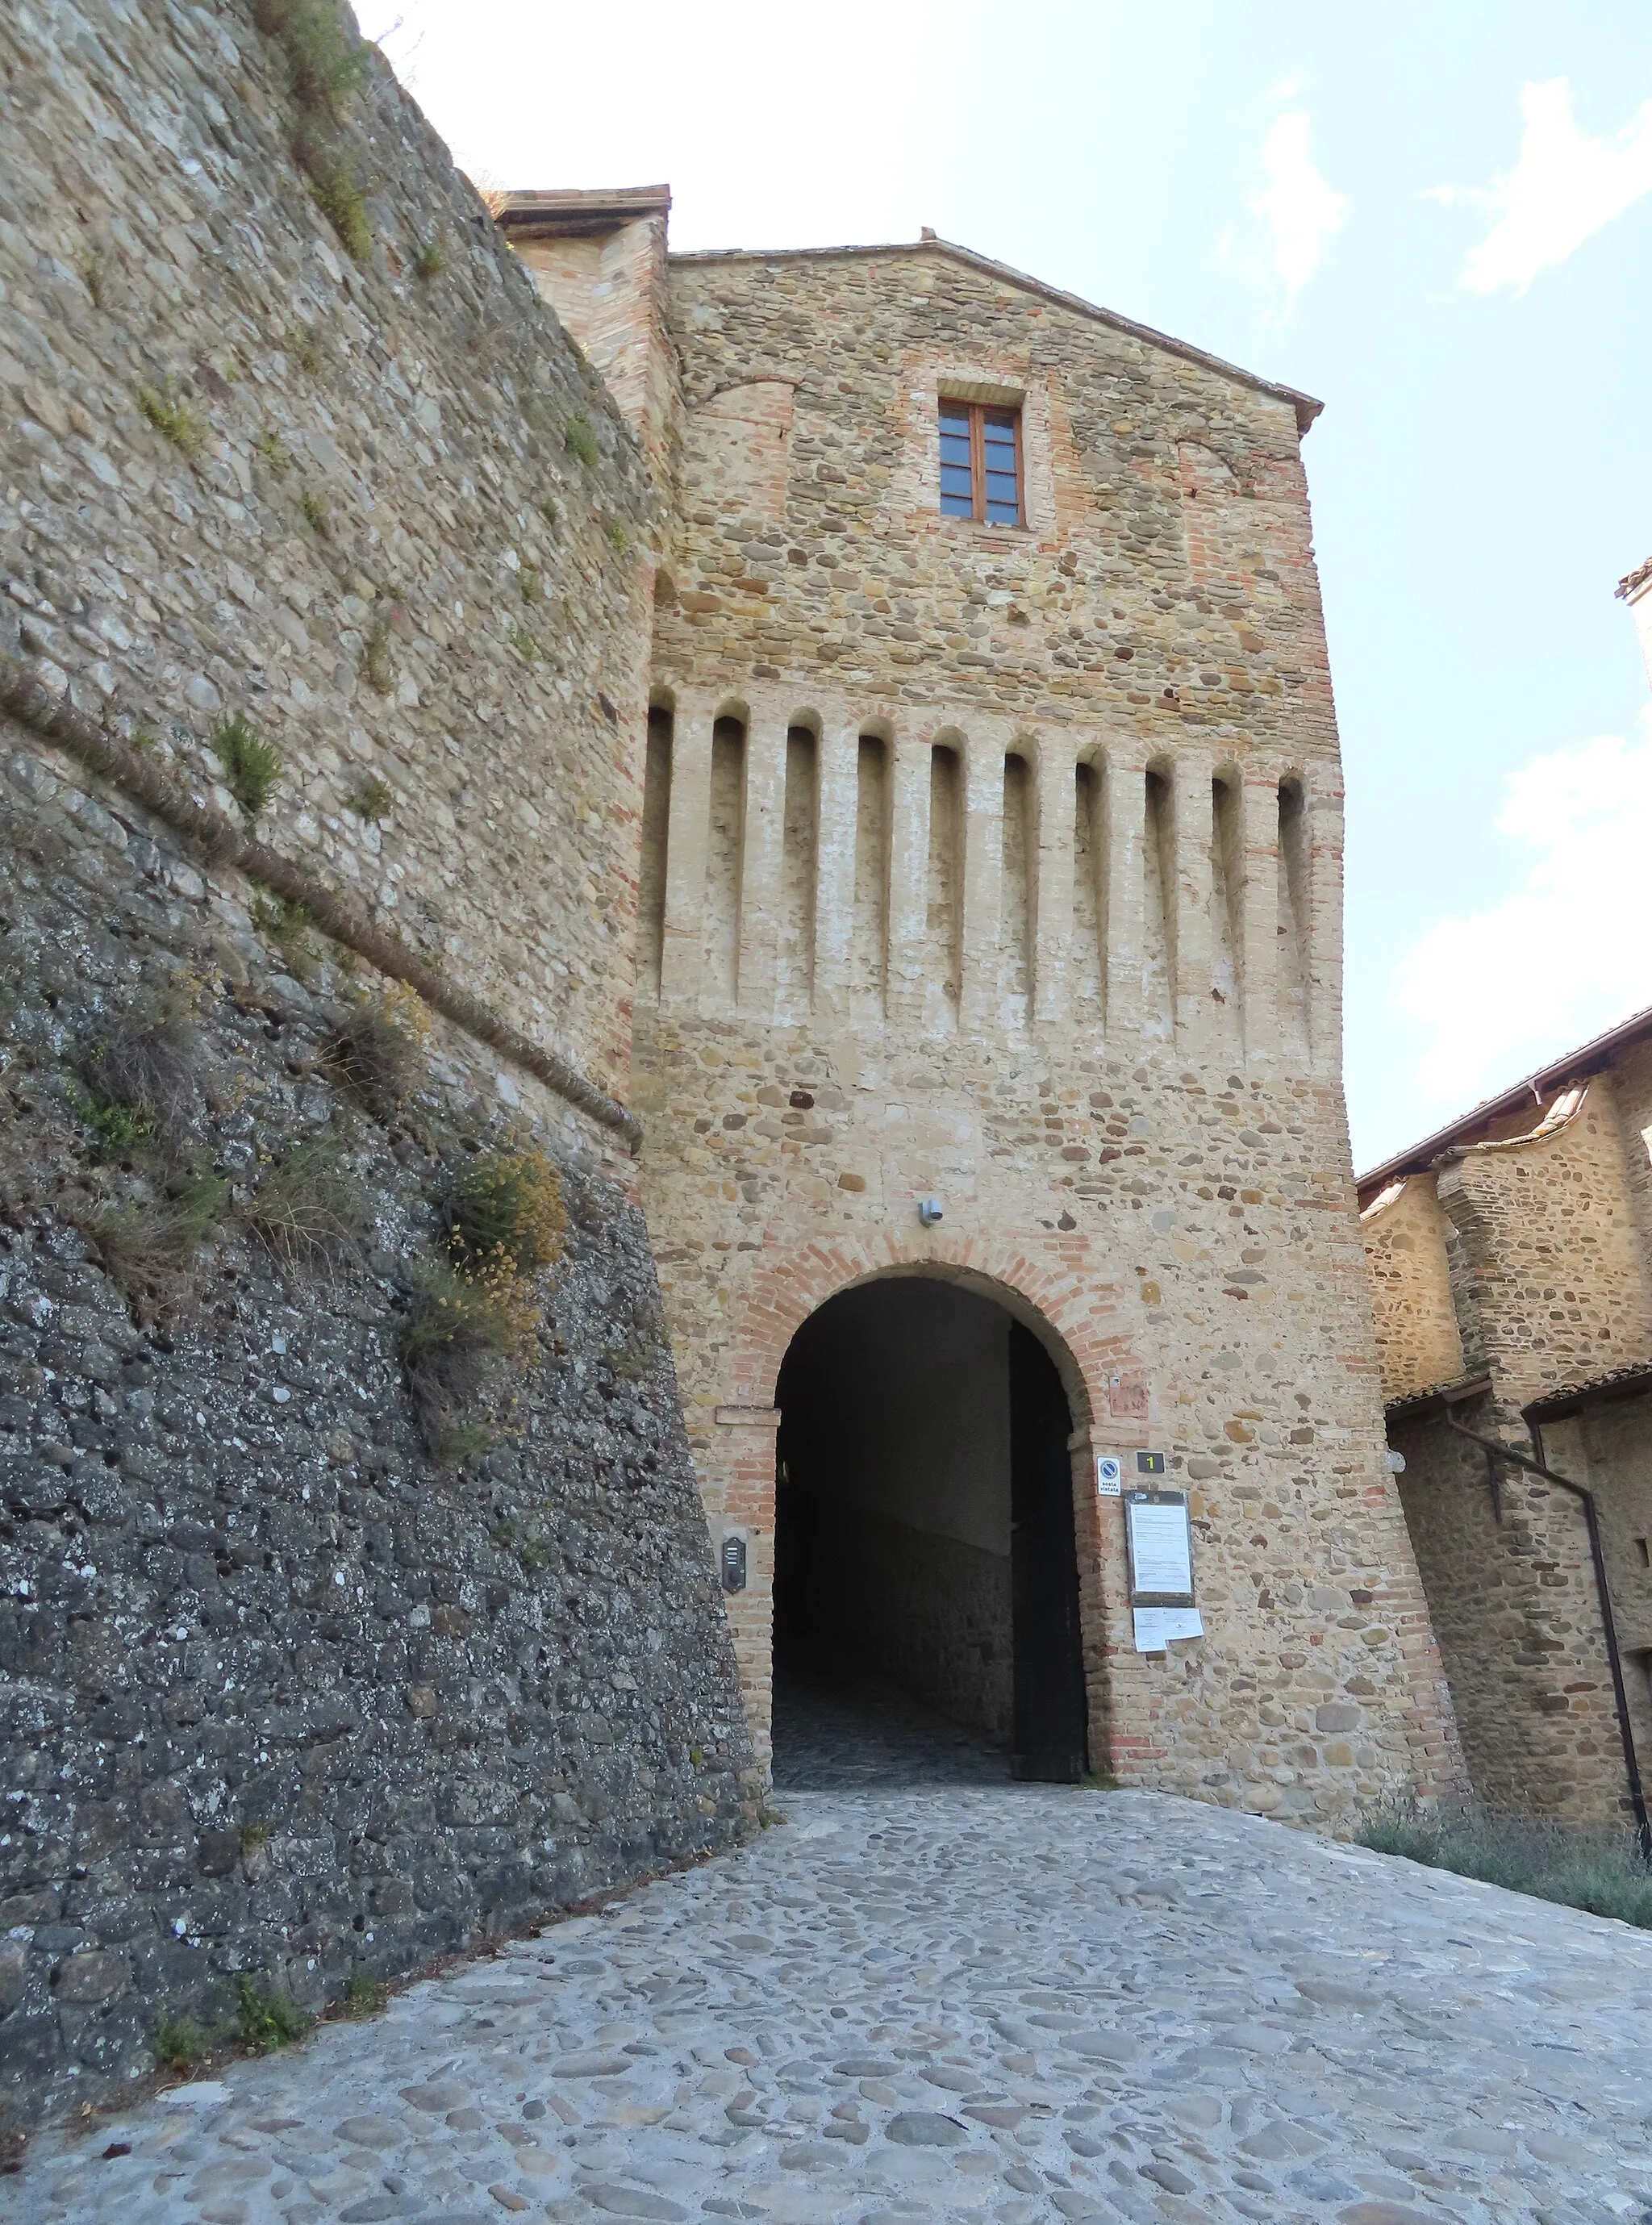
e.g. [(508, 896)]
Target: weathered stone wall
[(1511, 1590), (1632, 1100), (1418, 1342), (367, 532), (1608, 1447), (282, 1696), (1052, 816), (1558, 1265), (1535, 1256)]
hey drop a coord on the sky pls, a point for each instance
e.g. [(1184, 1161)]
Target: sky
[(1438, 219)]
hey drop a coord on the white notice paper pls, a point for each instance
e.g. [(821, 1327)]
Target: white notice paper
[(1156, 1625), (1161, 1554)]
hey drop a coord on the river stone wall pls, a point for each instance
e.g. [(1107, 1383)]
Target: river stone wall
[(282, 1697)]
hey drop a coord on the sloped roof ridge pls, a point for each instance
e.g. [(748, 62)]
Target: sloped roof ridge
[(1306, 406), (1637, 577), (1576, 1066)]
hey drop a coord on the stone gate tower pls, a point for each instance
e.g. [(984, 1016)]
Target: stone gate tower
[(990, 864)]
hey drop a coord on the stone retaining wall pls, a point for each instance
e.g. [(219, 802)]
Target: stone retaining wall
[(285, 1698), (389, 515), (282, 1696)]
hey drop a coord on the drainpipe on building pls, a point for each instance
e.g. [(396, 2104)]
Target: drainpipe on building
[(1495, 1449)]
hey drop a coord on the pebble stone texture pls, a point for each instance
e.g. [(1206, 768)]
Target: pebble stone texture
[(279, 1696), (953, 2001)]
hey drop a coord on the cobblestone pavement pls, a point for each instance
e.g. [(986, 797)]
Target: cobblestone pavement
[(994, 2001)]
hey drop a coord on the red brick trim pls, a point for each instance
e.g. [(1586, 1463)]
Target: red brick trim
[(1055, 1289)]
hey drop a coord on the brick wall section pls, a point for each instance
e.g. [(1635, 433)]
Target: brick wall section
[(1418, 1341), (453, 616)]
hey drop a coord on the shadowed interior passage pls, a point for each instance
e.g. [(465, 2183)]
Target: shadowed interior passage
[(924, 1530)]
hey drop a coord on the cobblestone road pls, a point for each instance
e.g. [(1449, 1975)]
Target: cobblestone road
[(966, 2001)]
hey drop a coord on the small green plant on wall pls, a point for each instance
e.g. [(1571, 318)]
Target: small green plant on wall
[(285, 924), (173, 419), (374, 801), (508, 1206), (267, 2021), (380, 1051), (336, 190), (581, 441), (178, 2041), (474, 1321), (251, 765), (275, 455), (117, 1127)]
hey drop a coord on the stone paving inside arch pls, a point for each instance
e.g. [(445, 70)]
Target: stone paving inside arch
[(953, 2001)]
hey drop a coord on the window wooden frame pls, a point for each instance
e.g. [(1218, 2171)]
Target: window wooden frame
[(979, 413)]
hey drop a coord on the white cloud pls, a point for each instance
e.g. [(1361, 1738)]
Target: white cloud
[(1296, 207), (1564, 186), (1563, 958)]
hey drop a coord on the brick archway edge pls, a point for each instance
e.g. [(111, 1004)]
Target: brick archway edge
[(1055, 1289)]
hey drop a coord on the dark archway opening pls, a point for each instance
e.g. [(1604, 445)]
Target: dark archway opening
[(924, 1548)]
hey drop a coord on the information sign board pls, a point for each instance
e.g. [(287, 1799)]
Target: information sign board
[(1161, 1548)]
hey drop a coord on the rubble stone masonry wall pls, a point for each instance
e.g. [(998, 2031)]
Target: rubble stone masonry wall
[(1417, 1335), (1002, 864), (366, 532), (1536, 1256), (1558, 1265), (286, 1698)]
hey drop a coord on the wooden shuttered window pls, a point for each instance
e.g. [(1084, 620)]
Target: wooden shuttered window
[(980, 463)]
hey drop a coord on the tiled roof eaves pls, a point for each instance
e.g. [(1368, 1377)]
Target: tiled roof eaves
[(1616, 1383), (1579, 1065), (1306, 407), (1637, 577)]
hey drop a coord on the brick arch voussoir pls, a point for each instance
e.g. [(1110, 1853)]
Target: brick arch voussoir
[(1066, 1305)]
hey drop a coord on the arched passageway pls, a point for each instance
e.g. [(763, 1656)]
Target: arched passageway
[(924, 1522)]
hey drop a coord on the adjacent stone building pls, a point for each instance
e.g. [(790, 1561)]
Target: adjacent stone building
[(1511, 1271), (1510, 1261), (986, 1034)]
